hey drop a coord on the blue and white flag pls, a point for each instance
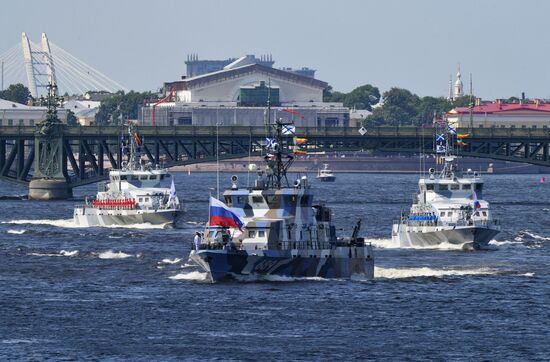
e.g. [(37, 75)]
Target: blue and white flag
[(439, 149), (439, 137), (172, 194), (451, 130), (269, 142), (289, 130)]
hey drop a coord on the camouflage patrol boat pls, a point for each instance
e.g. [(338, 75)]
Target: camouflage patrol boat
[(276, 229)]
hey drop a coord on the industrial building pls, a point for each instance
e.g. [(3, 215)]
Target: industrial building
[(238, 95)]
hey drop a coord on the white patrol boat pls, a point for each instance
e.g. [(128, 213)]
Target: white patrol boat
[(135, 194), (325, 175), (448, 208), (275, 228)]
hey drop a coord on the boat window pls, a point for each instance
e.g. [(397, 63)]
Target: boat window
[(484, 213), (143, 177), (455, 186), (162, 177), (272, 200), (141, 199), (477, 213), (261, 233), (251, 233), (442, 213), (449, 213), (241, 200), (479, 187), (257, 199), (146, 199), (134, 177), (466, 187), (443, 187), (228, 200), (429, 186), (152, 177), (123, 177)]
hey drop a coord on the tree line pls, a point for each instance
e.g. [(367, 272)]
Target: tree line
[(397, 106)]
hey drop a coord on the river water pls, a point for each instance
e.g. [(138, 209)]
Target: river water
[(69, 293)]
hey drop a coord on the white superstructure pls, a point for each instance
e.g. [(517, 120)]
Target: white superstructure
[(448, 208), (137, 193)]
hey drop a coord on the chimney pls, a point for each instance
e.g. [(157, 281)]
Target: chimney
[(478, 102)]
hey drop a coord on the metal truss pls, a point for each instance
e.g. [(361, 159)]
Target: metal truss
[(89, 152)]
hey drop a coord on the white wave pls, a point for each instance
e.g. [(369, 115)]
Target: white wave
[(391, 244), (194, 275), (401, 273), (61, 253), (69, 253), (170, 261), (69, 223), (109, 254), (16, 231), (535, 236), (528, 275), (64, 223), (507, 243)]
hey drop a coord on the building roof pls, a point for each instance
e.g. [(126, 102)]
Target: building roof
[(221, 75), (497, 107), (5, 104)]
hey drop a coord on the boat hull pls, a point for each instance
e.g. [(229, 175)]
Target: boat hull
[(97, 217), (470, 237), (341, 262), (327, 178)]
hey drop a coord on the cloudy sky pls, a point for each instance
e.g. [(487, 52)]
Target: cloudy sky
[(410, 44)]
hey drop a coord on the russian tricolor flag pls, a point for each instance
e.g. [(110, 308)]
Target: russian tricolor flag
[(477, 205), (221, 215)]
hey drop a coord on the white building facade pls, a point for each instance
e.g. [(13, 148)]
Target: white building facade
[(17, 114)]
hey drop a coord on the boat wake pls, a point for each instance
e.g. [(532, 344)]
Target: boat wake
[(170, 261), (69, 223), (391, 244), (196, 276), (109, 254), (422, 272)]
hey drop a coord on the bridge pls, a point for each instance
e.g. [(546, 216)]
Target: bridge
[(83, 155)]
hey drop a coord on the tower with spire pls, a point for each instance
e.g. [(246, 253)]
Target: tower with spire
[(459, 87)]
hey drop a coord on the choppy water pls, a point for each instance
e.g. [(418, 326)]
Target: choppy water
[(127, 293)]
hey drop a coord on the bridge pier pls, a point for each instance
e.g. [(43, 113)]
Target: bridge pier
[(49, 189)]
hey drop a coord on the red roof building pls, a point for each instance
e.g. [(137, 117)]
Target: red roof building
[(531, 114)]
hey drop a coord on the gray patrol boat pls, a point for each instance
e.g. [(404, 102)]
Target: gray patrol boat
[(448, 209), (137, 193), (284, 233)]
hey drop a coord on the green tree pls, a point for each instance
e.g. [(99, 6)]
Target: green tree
[(16, 93), (463, 101), (121, 106), (399, 107), (363, 97), (430, 106)]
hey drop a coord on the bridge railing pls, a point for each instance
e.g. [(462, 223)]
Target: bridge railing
[(259, 131)]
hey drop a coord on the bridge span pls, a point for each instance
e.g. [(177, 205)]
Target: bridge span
[(85, 154)]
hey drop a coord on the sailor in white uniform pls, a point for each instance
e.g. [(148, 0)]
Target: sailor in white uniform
[(197, 241)]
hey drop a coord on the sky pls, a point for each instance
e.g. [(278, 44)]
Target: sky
[(415, 45)]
